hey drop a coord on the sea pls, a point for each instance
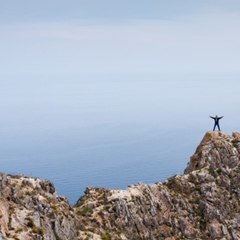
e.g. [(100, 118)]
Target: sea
[(110, 130)]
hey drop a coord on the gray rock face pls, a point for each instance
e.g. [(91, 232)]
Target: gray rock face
[(201, 204), (30, 209)]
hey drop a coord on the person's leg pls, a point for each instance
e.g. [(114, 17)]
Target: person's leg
[(218, 127), (214, 127)]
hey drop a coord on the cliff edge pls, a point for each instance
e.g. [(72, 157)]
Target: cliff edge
[(201, 204)]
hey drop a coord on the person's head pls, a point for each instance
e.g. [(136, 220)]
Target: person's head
[(216, 116)]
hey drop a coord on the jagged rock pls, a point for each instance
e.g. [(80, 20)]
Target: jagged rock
[(29, 207), (201, 204)]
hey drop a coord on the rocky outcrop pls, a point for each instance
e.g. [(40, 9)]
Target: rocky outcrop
[(30, 209), (201, 204)]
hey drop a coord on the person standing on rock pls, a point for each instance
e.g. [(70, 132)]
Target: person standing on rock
[(216, 123)]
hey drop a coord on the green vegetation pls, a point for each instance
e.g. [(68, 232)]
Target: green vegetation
[(198, 212), (55, 207), (18, 230), (198, 188), (191, 178), (30, 222), (15, 236), (105, 237), (84, 211), (212, 172), (37, 231)]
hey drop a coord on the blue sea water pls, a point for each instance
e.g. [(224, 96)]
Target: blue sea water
[(109, 131)]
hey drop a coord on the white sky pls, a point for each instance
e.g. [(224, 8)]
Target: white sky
[(61, 37)]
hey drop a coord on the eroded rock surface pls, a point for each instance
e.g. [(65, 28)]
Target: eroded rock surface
[(201, 204), (30, 209)]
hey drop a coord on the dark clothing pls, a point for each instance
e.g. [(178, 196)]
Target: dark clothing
[(216, 123)]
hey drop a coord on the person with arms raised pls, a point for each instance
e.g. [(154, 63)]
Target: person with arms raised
[(216, 123)]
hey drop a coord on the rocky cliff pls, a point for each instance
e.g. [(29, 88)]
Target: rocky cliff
[(31, 209), (201, 204)]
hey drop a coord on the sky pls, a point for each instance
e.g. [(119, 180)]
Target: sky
[(109, 80), (137, 37)]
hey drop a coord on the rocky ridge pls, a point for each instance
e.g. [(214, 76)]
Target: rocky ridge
[(31, 209), (201, 204)]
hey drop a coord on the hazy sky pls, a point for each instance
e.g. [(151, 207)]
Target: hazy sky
[(106, 80), (155, 36)]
